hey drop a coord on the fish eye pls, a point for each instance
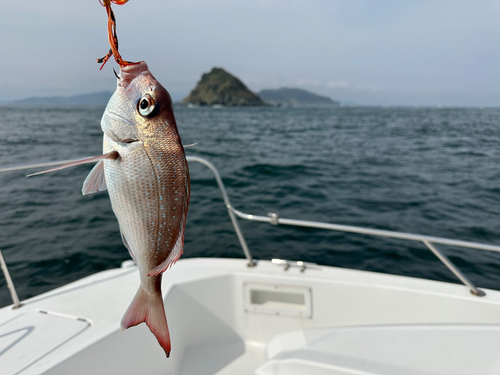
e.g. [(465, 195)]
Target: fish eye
[(146, 105)]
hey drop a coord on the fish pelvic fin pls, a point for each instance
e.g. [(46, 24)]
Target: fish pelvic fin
[(148, 307)]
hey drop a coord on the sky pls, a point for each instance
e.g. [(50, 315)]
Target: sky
[(362, 52)]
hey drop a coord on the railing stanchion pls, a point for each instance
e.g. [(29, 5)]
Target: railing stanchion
[(10, 284), (451, 266)]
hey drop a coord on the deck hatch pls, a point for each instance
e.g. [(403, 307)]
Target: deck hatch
[(277, 299), (20, 338)]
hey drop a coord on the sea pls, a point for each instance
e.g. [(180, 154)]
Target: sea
[(432, 171)]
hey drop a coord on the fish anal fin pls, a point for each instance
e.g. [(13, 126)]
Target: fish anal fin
[(128, 246), (95, 181), (148, 307), (174, 255), (113, 155)]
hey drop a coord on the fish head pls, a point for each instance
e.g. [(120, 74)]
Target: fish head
[(139, 109)]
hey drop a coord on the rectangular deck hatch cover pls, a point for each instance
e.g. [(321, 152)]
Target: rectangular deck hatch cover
[(32, 335), (277, 299)]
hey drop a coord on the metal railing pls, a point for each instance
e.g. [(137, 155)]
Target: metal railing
[(230, 210), (274, 219), (428, 241)]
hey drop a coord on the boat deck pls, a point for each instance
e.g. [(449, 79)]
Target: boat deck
[(227, 318)]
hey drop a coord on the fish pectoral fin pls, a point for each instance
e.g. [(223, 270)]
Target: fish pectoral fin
[(113, 155), (191, 145), (95, 181)]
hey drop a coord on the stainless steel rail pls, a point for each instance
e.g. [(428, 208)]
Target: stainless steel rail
[(230, 210), (274, 219)]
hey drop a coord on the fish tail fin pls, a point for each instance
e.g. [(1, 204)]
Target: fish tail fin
[(148, 307)]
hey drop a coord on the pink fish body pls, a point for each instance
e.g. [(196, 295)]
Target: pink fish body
[(148, 185)]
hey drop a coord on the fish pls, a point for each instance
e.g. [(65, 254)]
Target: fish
[(145, 171), (148, 186)]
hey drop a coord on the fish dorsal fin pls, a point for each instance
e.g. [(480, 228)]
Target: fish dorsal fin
[(95, 181)]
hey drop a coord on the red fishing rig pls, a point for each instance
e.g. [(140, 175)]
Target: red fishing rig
[(112, 37)]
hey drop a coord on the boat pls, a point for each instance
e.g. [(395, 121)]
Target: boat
[(261, 317)]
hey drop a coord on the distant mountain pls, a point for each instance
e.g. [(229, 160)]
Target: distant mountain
[(86, 99), (221, 88), (295, 97)]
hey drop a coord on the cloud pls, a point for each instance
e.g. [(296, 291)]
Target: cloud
[(338, 85), (366, 88), (308, 82), (342, 85)]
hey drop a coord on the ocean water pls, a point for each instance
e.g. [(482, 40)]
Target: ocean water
[(433, 171)]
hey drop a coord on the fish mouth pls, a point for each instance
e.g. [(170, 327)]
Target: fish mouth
[(129, 72), (130, 140)]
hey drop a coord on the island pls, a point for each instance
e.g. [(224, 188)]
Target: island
[(220, 88), (295, 97)]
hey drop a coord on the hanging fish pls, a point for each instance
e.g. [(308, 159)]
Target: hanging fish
[(145, 171)]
